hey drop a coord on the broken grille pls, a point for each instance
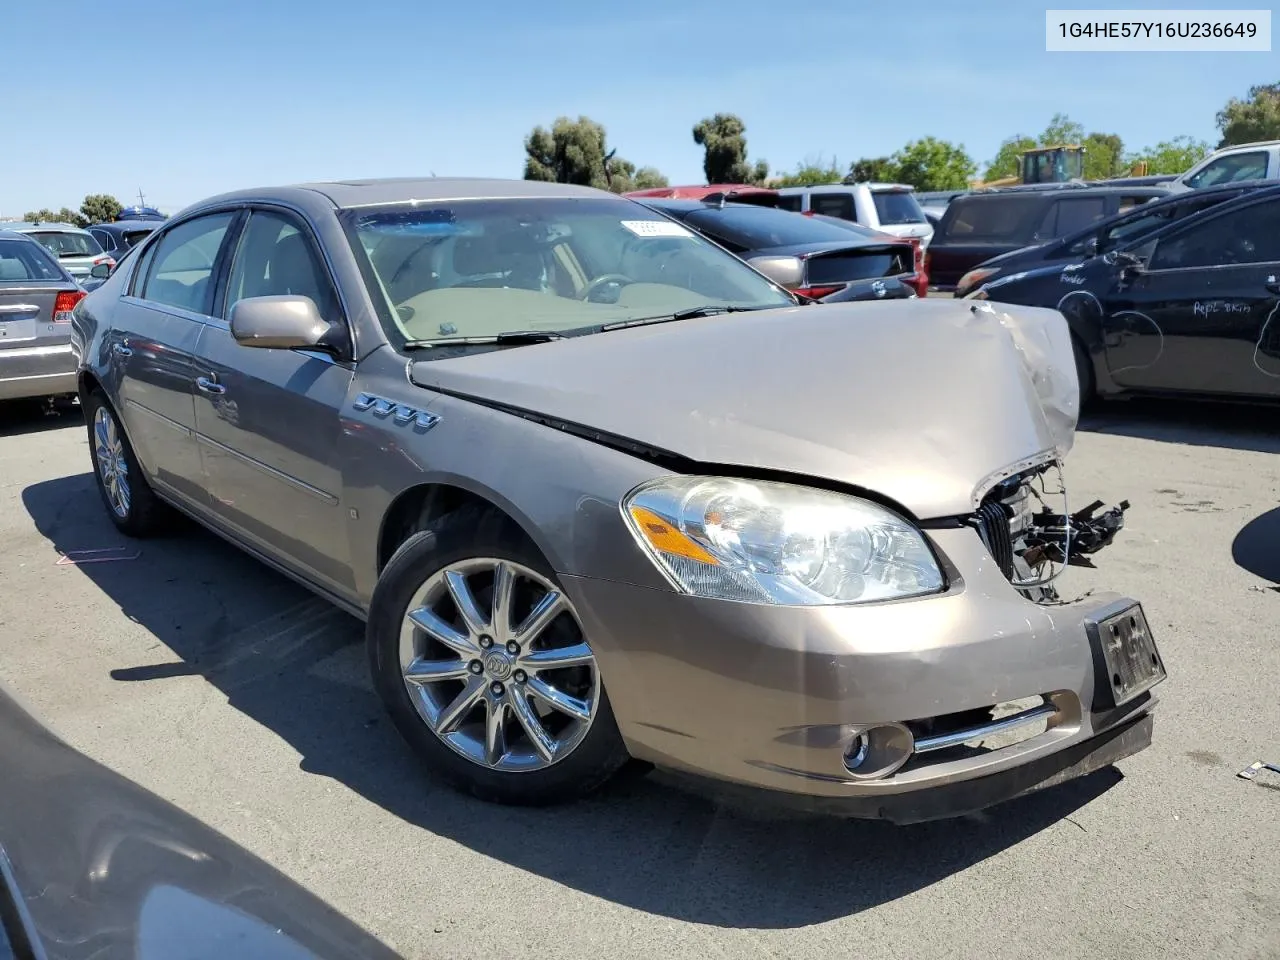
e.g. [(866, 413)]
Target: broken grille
[(992, 521)]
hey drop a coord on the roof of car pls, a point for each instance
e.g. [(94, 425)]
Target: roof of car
[(123, 226), (378, 192), (6, 234), (24, 226), (845, 187), (1052, 191)]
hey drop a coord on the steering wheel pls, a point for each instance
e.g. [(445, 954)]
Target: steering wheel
[(602, 281)]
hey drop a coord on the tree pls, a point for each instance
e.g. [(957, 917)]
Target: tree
[(1103, 156), (100, 208), (574, 151), (1006, 162), (879, 169), (723, 138), (45, 215), (932, 164), (1171, 156), (811, 172), (1255, 118), (1061, 130)]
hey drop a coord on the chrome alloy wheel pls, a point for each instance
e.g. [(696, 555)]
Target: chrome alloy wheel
[(113, 465), (497, 666)]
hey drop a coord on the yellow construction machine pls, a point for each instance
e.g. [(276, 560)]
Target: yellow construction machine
[(1059, 163)]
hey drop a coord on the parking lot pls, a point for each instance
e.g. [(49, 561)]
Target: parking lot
[(232, 692)]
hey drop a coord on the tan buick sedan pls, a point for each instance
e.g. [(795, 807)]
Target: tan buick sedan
[(603, 493)]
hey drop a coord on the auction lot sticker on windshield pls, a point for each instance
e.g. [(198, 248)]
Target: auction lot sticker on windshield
[(656, 228)]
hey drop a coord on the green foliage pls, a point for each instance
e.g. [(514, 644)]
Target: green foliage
[(1062, 130), (811, 172), (45, 215), (878, 169), (1171, 156), (574, 151), (723, 139), (1006, 161), (100, 208), (932, 164), (1103, 156), (1255, 118)]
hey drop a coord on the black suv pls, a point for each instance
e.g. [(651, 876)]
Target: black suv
[(987, 223)]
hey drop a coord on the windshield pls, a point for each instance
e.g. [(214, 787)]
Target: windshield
[(477, 268), (66, 244), (897, 207)]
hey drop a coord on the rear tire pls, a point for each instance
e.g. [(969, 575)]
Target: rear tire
[(511, 771), (131, 503)]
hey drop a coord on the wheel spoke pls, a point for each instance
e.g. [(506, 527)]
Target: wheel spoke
[(426, 620), (465, 601), (503, 583), (432, 671), (559, 700), (547, 609), (495, 739), (557, 658), (462, 704), (538, 736)]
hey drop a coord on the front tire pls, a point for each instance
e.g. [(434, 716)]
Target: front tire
[(131, 503), (480, 659), (1084, 373)]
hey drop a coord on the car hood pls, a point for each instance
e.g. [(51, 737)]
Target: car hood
[(926, 402)]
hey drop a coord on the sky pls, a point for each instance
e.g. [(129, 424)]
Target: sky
[(183, 99)]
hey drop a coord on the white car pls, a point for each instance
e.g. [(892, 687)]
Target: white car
[(888, 207), (1245, 161)]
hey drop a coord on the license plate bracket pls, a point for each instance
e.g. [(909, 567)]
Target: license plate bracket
[(1126, 661)]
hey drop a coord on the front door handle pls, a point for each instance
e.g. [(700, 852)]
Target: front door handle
[(209, 386), (121, 349)]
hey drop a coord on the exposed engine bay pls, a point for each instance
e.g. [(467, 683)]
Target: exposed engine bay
[(1025, 524)]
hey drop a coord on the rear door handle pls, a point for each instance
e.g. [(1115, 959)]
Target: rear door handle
[(209, 386)]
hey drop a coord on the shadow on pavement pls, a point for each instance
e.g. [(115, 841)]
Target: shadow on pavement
[(1256, 547), (1204, 424), (34, 416), (296, 665)]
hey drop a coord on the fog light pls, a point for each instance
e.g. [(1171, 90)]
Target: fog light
[(878, 751)]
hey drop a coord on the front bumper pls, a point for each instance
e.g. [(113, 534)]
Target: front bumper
[(772, 698), (43, 371)]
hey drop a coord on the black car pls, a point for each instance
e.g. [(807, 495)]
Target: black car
[(987, 223), (1106, 234), (821, 261), (1193, 308), (119, 237)]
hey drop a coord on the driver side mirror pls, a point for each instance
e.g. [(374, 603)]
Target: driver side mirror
[(280, 323)]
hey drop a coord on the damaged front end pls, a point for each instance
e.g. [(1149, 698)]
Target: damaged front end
[(1026, 526)]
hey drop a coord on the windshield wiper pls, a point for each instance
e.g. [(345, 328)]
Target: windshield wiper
[(511, 336), (691, 314)]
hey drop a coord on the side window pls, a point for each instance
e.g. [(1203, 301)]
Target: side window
[(833, 205), (140, 270), (274, 259), (1249, 235), (180, 271), (791, 201), (1128, 203), (1076, 213), (1048, 226), (103, 238), (1239, 166)]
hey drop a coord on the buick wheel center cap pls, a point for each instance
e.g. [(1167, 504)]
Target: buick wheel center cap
[(497, 664)]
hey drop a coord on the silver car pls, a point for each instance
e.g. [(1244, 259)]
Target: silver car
[(602, 492), (36, 300), (77, 250)]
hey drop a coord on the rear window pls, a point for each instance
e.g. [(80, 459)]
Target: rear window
[(855, 265), (68, 244), (790, 201), (991, 218), (132, 237), (897, 207), (25, 261), (755, 228)]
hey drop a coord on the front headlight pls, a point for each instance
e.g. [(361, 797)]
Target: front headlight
[(974, 278), (777, 543)]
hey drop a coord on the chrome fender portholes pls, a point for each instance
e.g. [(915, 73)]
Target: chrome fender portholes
[(401, 413)]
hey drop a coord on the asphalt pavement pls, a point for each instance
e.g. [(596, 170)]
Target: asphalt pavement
[(237, 695)]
